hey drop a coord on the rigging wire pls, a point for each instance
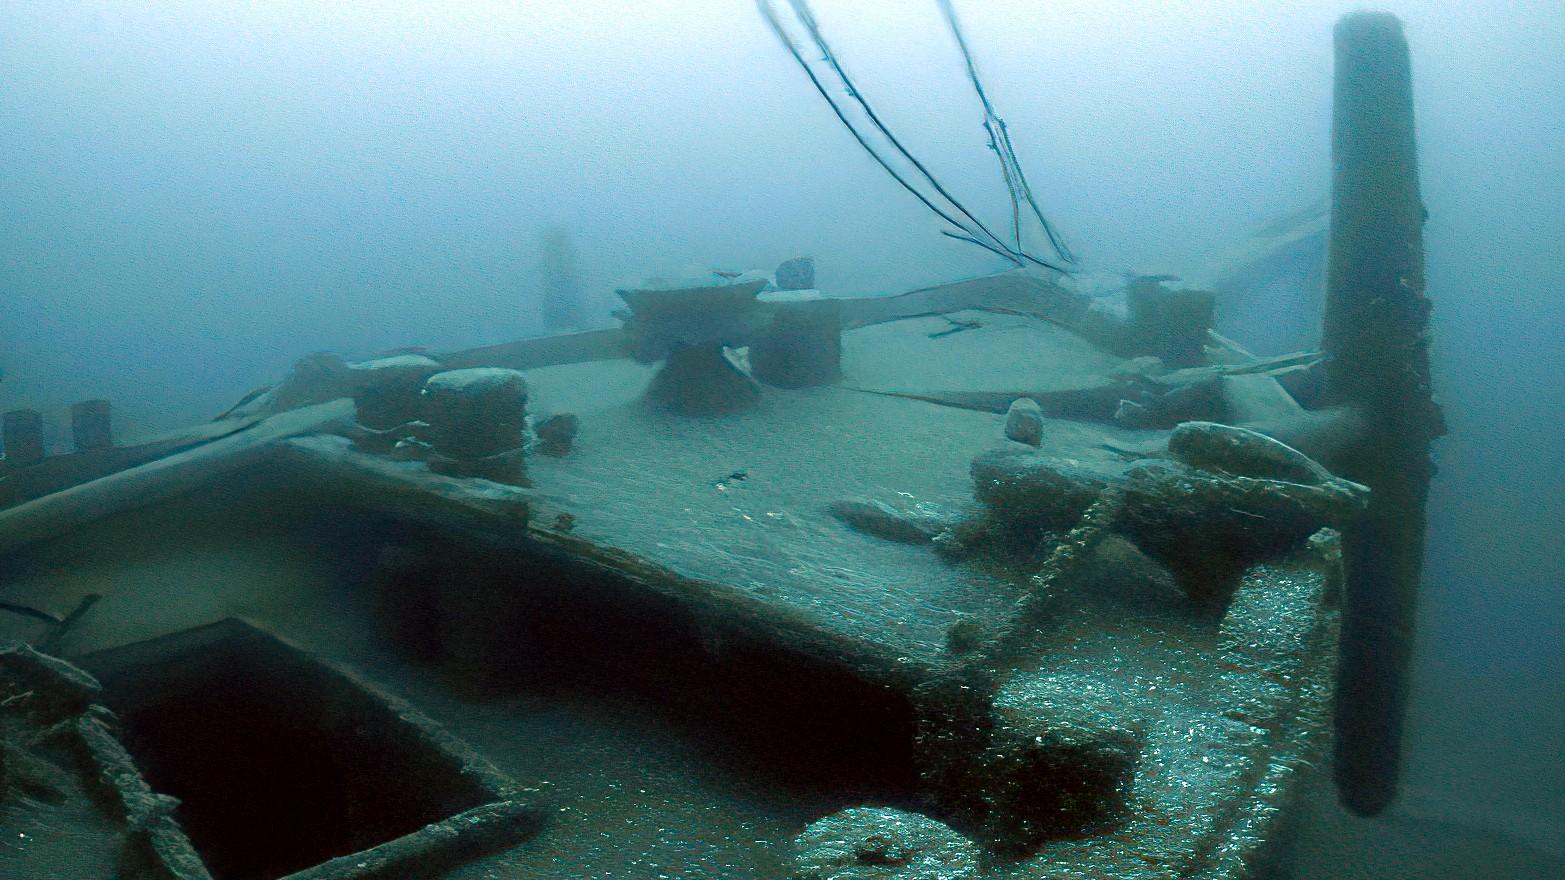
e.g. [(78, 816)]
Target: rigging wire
[(937, 198), (1000, 142)]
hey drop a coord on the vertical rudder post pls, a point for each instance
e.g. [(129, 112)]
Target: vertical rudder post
[(1375, 334)]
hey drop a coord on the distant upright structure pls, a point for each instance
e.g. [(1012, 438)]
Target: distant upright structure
[(563, 307)]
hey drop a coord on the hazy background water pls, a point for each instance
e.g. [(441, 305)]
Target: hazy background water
[(197, 192)]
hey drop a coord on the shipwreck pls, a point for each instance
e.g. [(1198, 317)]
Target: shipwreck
[(990, 578)]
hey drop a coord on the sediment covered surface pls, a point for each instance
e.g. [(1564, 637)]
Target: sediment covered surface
[(741, 506)]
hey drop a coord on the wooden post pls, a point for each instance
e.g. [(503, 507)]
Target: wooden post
[(1171, 324), (90, 427), (801, 347), (22, 435), (1375, 336)]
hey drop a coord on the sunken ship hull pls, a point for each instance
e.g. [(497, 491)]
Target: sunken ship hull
[(984, 579)]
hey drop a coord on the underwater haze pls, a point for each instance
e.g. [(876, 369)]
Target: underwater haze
[(198, 192)]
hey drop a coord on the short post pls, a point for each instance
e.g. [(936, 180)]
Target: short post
[(1375, 337), (91, 430), (796, 274), (22, 433), (801, 347), (1171, 324), (477, 421)]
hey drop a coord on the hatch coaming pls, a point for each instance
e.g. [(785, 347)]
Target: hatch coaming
[(247, 732)]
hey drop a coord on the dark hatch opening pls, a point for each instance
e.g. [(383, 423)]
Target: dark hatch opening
[(280, 762)]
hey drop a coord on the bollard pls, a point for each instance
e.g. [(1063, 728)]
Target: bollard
[(796, 274), (1374, 335), (23, 437), (802, 346), (388, 392), (91, 430), (476, 420), (1170, 324)]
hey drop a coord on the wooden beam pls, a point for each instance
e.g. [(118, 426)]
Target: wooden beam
[(54, 515)]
